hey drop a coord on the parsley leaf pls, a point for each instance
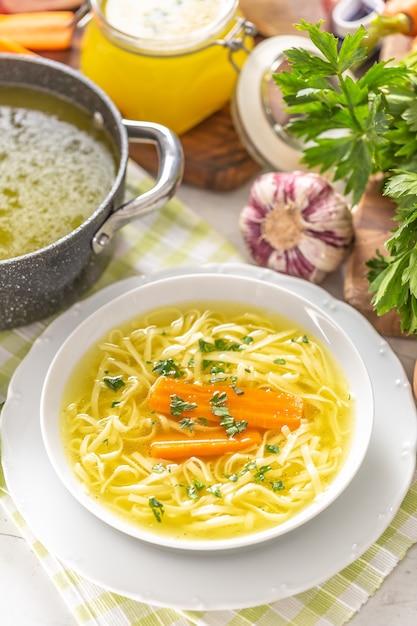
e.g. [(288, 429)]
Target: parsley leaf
[(114, 382), (232, 426), (353, 127), (219, 408), (178, 405), (277, 485), (167, 367), (186, 422), (218, 398), (259, 476), (215, 490), (159, 468), (157, 508), (194, 489), (219, 345), (247, 339), (344, 123), (393, 277)]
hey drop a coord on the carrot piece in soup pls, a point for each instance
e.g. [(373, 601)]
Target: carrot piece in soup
[(258, 407), (213, 442)]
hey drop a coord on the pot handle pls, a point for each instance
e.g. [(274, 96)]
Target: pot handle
[(171, 164)]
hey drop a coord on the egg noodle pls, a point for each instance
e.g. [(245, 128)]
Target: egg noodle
[(108, 427)]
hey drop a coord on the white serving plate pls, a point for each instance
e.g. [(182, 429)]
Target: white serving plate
[(212, 581)]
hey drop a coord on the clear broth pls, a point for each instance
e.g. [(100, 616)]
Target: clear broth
[(56, 168)]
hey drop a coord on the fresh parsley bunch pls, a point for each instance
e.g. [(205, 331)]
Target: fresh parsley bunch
[(354, 127), (393, 278)]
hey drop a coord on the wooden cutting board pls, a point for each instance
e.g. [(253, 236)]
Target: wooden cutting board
[(373, 220), (214, 156)]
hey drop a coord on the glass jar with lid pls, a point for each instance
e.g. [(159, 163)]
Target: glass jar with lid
[(174, 62)]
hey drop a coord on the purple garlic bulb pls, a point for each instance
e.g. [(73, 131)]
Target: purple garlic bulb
[(297, 223)]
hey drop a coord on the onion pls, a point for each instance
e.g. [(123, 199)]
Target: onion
[(297, 223)]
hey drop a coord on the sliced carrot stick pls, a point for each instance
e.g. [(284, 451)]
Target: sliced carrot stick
[(43, 30), (8, 45), (213, 442), (258, 407)]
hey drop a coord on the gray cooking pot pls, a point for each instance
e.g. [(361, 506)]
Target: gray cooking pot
[(39, 284)]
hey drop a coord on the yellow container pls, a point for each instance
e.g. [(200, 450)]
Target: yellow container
[(166, 61)]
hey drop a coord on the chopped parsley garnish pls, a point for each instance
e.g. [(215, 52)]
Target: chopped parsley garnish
[(218, 398), (178, 405), (157, 508), (246, 468), (218, 379), (279, 361), (167, 367), (186, 422), (215, 491), (194, 489), (272, 449), (218, 408), (192, 492), (259, 476), (115, 403), (114, 382), (221, 411), (219, 345), (159, 468), (232, 426), (247, 339)]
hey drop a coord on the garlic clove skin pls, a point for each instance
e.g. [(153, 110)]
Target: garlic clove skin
[(296, 223)]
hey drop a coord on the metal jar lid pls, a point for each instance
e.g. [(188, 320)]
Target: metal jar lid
[(348, 15), (258, 109)]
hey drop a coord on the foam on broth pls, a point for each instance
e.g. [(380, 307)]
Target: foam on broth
[(55, 168)]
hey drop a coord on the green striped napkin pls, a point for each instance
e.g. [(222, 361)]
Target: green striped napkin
[(171, 237)]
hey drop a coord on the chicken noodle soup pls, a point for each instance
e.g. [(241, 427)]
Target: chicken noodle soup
[(205, 422), (56, 168)]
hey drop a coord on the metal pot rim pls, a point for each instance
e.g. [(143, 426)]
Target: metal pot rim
[(123, 154)]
